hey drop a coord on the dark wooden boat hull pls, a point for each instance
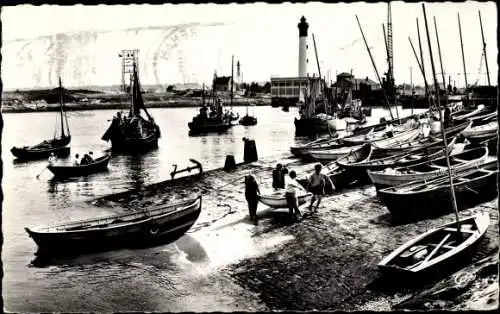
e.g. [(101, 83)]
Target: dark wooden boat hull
[(30, 154), (445, 267), (144, 234), (134, 145), (248, 121), (436, 202), (310, 126), (100, 164), (202, 128)]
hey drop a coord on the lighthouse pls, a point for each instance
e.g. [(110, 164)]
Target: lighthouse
[(303, 26)]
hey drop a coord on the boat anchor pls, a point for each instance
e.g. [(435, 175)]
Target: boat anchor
[(188, 169)]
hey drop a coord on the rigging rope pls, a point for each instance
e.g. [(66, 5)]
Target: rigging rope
[(480, 69)]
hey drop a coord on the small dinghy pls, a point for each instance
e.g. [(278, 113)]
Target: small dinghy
[(122, 230), (359, 169), (481, 129), (427, 198), (332, 154), (437, 249), (465, 114), (98, 165), (277, 198), (428, 170)]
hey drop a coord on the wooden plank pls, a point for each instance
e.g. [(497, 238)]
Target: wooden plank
[(436, 248)]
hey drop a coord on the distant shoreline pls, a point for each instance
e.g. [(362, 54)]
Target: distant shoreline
[(173, 103)]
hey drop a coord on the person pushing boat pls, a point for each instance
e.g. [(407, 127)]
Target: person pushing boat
[(316, 185), (292, 187)]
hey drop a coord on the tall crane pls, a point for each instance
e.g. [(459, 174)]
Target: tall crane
[(390, 56)]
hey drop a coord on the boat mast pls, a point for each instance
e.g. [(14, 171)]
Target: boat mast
[(232, 68), (376, 71), (484, 49), (462, 45), (439, 53), (421, 57), (319, 74), (61, 101), (203, 95), (436, 86), (421, 67)]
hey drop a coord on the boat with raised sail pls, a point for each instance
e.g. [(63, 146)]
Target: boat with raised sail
[(133, 133), (59, 145)]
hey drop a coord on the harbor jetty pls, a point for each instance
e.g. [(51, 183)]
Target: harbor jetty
[(328, 260)]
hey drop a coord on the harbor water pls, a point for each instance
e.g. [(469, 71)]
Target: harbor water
[(181, 276)]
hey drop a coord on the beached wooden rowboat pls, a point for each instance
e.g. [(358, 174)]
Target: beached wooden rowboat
[(465, 114), (98, 165), (340, 176), (277, 199), (429, 170), (332, 154), (418, 199), (481, 129), (383, 139), (167, 221), (436, 250), (429, 152)]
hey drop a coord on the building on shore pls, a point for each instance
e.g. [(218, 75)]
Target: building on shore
[(286, 90)]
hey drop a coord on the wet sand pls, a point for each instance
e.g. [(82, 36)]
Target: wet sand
[(328, 260)]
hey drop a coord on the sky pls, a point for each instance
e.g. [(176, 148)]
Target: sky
[(188, 42)]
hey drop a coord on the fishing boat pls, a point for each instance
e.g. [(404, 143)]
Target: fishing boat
[(277, 198), (248, 120), (341, 176), (434, 251), (97, 165), (428, 170), (491, 143), (426, 198), (399, 135), (419, 142), (133, 133), (332, 154), (481, 129), (360, 168), (58, 145), (465, 114), (120, 230)]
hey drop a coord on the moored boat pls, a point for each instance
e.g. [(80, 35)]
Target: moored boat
[(98, 165), (133, 133), (385, 138), (332, 154), (58, 145), (481, 129), (122, 230), (465, 114), (360, 168), (434, 251), (428, 170), (427, 198)]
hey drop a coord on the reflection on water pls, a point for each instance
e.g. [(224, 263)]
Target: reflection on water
[(140, 280)]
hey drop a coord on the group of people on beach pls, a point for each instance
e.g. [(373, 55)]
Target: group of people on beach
[(316, 185)]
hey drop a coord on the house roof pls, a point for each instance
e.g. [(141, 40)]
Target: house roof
[(222, 80), (345, 74)]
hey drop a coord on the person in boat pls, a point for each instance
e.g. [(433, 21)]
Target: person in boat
[(252, 193), (447, 116), (389, 130), (52, 159), (316, 185), (292, 187), (279, 177), (76, 161), (85, 159)]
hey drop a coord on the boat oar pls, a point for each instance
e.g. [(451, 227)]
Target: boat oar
[(38, 176)]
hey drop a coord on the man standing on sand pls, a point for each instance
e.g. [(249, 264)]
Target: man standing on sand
[(292, 187), (316, 185), (279, 177), (252, 193)]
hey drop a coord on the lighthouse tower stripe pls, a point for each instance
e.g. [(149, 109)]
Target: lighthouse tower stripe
[(303, 26)]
